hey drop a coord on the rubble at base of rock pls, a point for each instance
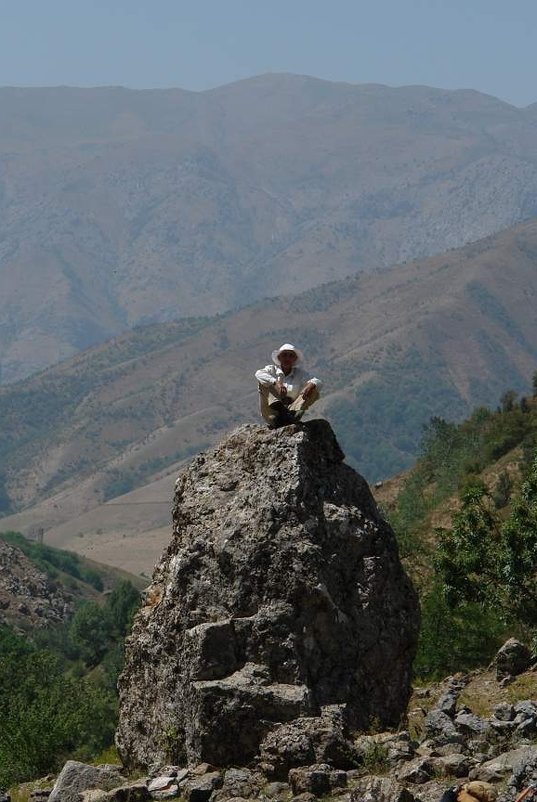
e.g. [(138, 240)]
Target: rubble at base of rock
[(392, 767)]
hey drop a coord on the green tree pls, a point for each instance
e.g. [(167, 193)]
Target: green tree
[(502, 490), (122, 605), (45, 714), (91, 632), (494, 563), (507, 401), (534, 384), (457, 639), (468, 554), (519, 564)]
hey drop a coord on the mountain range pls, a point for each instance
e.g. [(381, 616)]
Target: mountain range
[(394, 347), (122, 207)]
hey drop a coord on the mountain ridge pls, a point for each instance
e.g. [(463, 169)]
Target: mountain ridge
[(134, 206), (433, 337)]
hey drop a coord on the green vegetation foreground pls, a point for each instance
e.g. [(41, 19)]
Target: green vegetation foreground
[(58, 688), (476, 576)]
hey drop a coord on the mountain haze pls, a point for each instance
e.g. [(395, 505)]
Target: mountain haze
[(121, 207), (433, 337)]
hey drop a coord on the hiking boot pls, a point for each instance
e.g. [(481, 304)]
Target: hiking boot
[(283, 417), (287, 418)]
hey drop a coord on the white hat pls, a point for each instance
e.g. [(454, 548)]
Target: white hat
[(287, 347)]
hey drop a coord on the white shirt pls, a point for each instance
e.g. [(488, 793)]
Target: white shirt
[(294, 382)]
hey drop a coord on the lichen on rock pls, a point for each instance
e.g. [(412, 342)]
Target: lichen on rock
[(280, 597)]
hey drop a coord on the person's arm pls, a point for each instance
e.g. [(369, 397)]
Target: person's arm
[(266, 375), (311, 383)]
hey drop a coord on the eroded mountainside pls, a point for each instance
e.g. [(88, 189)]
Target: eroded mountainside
[(434, 337), (28, 595), (120, 207)]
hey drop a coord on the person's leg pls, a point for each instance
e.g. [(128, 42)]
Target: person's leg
[(270, 410), (300, 405), (266, 412)]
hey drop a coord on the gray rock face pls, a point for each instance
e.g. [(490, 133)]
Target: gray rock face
[(280, 594), (77, 777), (27, 595), (512, 659)]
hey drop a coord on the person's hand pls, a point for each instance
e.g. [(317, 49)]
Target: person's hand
[(308, 390), (280, 388)]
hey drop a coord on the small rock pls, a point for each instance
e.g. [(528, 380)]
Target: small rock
[(305, 797), (503, 712), (237, 783), (448, 701), (470, 724), (276, 790), (417, 771), (160, 783), (163, 787), (440, 726), (454, 765), (512, 659), (380, 789), (310, 779), (199, 789), (524, 710), (501, 766), (338, 778), (203, 768), (131, 792)]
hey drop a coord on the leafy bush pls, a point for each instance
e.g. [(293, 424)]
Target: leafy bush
[(484, 564), (490, 561), (58, 696), (46, 715), (459, 639)]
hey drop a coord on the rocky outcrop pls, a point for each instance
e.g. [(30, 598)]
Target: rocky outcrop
[(75, 778), (512, 659), (28, 597), (280, 599)]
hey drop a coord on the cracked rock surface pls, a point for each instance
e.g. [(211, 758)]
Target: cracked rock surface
[(280, 597)]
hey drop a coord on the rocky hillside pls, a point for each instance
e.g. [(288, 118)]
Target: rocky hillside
[(121, 207), (270, 659), (40, 586), (28, 595), (477, 729)]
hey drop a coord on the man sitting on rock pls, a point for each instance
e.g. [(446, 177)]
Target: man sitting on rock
[(290, 387)]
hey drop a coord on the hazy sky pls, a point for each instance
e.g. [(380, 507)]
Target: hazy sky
[(489, 45)]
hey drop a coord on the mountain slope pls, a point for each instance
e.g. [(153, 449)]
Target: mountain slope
[(429, 338), (41, 586), (121, 207)]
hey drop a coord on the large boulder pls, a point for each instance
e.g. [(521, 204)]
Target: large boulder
[(281, 594), (76, 777)]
